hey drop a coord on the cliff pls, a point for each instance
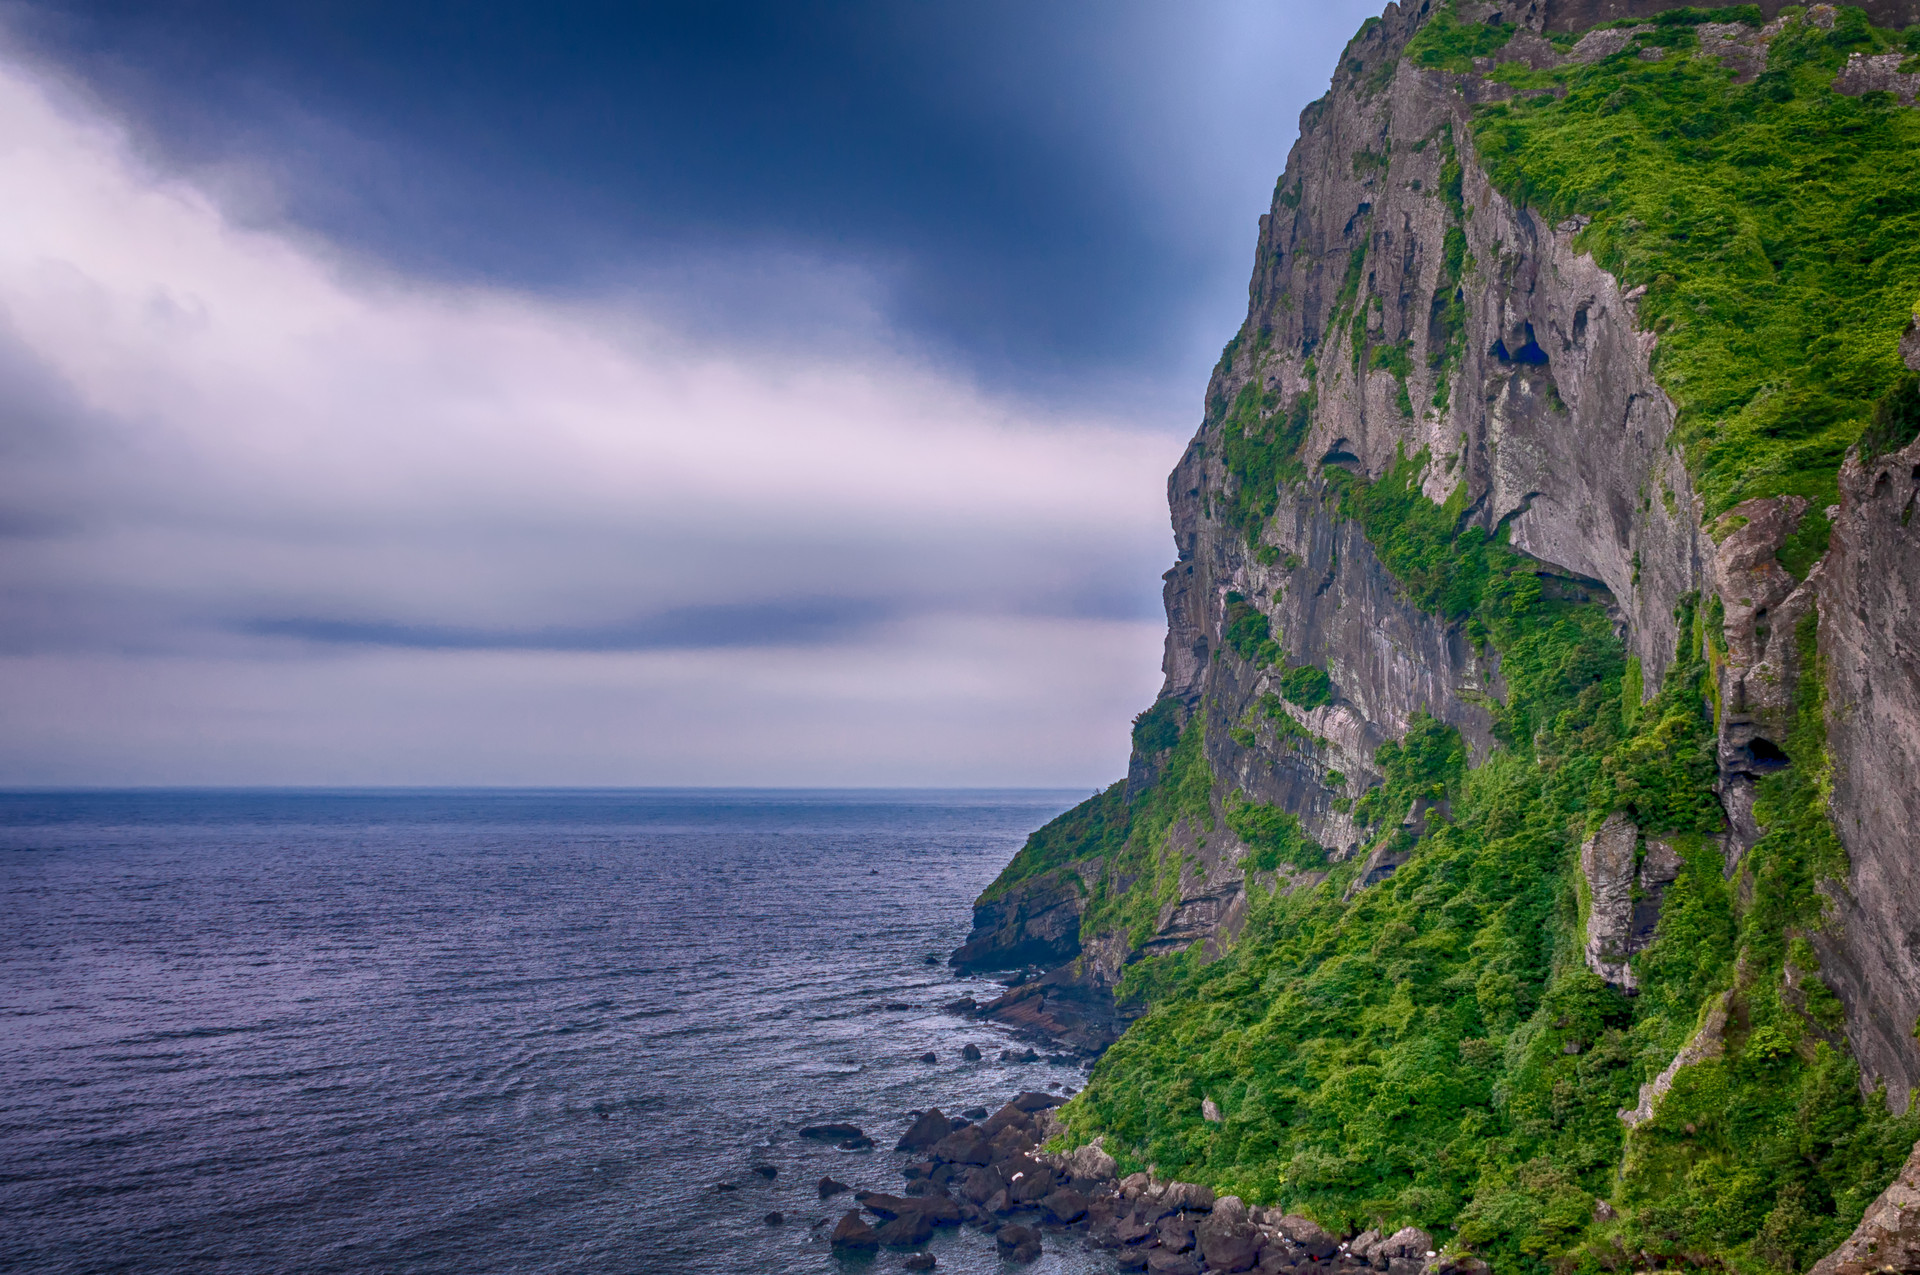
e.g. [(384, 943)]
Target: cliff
[(1522, 844)]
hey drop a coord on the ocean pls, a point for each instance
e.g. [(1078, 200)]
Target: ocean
[(482, 1031)]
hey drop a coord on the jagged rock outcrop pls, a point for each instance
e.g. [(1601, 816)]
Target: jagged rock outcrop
[(1036, 922)]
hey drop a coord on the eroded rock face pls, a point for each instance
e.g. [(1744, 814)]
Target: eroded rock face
[(1869, 590), (1607, 861), (1036, 922)]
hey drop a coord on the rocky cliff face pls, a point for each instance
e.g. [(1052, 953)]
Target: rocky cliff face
[(1414, 323)]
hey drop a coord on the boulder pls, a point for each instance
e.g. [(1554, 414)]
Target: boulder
[(982, 1183), (1018, 1243), (919, 1262), (975, 1113), (1227, 1240), (965, 1005), (1031, 1184), (1133, 1184), (1162, 1262), (1363, 1244), (854, 1234), (830, 1188), (766, 1171), (1031, 1102), (1132, 1259), (1065, 1206), (1409, 1243), (924, 1132), (965, 1146), (908, 1229), (1091, 1163), (998, 1203), (861, 1143), (1308, 1236), (972, 1054), (929, 1056), (1175, 1232), (831, 1132)]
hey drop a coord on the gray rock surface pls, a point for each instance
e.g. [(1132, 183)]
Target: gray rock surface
[(1869, 590), (1888, 1237)]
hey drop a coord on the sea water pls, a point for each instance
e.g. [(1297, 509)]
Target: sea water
[(476, 1032)]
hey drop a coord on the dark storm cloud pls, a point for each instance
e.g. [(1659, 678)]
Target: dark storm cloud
[(612, 394), (1059, 195)]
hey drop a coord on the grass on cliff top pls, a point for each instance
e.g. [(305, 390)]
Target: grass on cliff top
[(1434, 1051), (1775, 226)]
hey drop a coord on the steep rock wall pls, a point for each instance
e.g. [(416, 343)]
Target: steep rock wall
[(1533, 402)]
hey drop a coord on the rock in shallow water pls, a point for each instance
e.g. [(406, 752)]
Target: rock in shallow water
[(919, 1262), (853, 1233), (830, 1188)]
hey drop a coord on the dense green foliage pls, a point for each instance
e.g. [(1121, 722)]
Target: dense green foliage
[(1307, 686), (1097, 826), (1157, 729), (1775, 226), (1249, 633), (1260, 446), (1273, 837), (1445, 43), (1435, 1051)]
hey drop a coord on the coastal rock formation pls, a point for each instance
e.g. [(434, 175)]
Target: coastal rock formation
[(1520, 525)]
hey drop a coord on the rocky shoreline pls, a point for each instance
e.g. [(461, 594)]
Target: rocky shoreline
[(992, 1173)]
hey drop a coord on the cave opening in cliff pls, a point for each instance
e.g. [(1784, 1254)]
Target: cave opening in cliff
[(1765, 755)]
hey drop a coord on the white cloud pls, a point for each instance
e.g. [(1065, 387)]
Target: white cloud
[(232, 446)]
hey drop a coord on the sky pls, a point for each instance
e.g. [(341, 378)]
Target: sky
[(611, 393)]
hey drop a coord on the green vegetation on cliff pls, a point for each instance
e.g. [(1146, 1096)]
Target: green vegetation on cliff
[(1433, 1049), (1774, 225)]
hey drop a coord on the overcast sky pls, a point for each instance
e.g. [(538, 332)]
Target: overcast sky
[(611, 393)]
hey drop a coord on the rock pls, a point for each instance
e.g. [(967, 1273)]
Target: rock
[(965, 1005), (1031, 1102), (831, 1132), (726, 1186), (975, 1113), (971, 1053), (930, 959), (1091, 1163), (1132, 1259), (1133, 1184), (854, 1234), (1363, 1244), (1209, 1111), (929, 1056), (1888, 1237), (1064, 1205), (1306, 1234), (861, 1143), (1030, 1183), (981, 1184), (965, 1146), (925, 1132), (998, 1203), (1162, 1262), (766, 1171), (1227, 1240), (919, 1262), (1018, 1243), (776, 1218), (830, 1188), (906, 1229), (1404, 1252), (1190, 1196), (1175, 1233)]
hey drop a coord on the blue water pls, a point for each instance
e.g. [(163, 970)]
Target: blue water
[(477, 1032)]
